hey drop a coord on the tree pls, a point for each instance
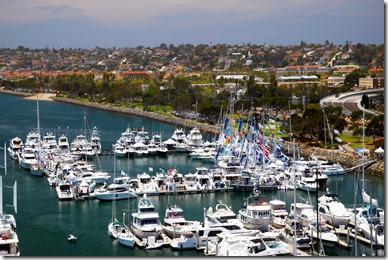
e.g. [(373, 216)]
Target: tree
[(353, 77), (356, 115), (375, 126), (365, 101)]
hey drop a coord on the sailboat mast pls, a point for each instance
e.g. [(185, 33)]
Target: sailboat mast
[(363, 147), (38, 124), (293, 170)]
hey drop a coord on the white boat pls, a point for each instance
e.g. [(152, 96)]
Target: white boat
[(175, 225), (36, 170), (194, 138), (162, 149), (145, 223), (332, 211), (181, 141), (307, 185), (187, 241), (115, 228), (258, 245), (278, 213), (222, 216), (72, 238), (32, 140), (9, 243), (327, 237), (64, 191), (63, 143), (126, 238), (15, 148), (152, 149), (140, 149), (256, 213), (49, 142), (303, 212), (95, 141), (27, 158), (115, 192), (119, 150)]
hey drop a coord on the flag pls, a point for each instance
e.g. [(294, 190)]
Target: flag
[(226, 123)]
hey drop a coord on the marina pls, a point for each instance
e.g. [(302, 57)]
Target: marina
[(200, 184)]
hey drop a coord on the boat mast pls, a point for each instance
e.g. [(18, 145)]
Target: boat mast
[(363, 149), (293, 170), (38, 125)]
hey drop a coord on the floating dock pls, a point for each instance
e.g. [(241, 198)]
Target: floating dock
[(180, 192)]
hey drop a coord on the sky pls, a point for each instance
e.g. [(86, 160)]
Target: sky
[(128, 23)]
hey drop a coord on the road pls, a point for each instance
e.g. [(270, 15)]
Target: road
[(350, 101)]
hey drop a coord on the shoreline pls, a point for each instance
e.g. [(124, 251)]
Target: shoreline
[(346, 159), (185, 123)]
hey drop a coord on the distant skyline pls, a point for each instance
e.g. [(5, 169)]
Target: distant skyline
[(127, 23)]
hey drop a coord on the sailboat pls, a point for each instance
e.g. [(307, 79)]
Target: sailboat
[(37, 168), (114, 227)]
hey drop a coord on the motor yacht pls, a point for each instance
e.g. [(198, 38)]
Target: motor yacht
[(332, 211), (15, 148), (175, 225), (256, 213), (27, 158), (145, 222), (278, 213)]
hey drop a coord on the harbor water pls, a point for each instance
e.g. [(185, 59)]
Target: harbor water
[(44, 222)]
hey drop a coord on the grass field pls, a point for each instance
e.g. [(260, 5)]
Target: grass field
[(356, 141)]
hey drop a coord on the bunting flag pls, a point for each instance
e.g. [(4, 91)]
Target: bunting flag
[(226, 124)]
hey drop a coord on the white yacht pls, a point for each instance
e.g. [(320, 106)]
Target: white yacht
[(326, 236), (15, 148), (304, 212), (64, 191), (140, 149), (152, 149), (27, 158), (118, 190), (278, 213), (119, 150), (95, 140), (181, 141), (33, 138), (331, 210), (49, 142), (256, 213), (9, 243), (63, 143), (194, 138), (145, 223), (175, 224), (222, 216), (255, 245), (126, 238)]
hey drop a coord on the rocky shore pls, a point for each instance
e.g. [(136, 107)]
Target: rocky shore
[(16, 93), (347, 159), (206, 128)]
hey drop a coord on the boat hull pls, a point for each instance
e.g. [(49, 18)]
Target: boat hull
[(114, 196)]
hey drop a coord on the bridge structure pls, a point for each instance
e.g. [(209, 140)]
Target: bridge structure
[(351, 101)]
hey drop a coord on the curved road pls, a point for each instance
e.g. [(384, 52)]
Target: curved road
[(350, 101)]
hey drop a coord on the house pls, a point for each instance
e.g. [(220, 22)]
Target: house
[(368, 83), (335, 81), (135, 74)]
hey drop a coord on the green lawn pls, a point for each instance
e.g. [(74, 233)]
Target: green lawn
[(356, 141)]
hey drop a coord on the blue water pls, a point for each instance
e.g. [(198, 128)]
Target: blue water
[(43, 222)]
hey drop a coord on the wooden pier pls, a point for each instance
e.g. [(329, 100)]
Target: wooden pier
[(182, 192)]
